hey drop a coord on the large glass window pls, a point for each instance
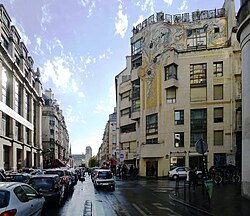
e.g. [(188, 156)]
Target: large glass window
[(218, 69), (198, 74), (152, 124), (171, 72), (135, 105), (196, 38), (179, 139), (137, 47), (4, 86)]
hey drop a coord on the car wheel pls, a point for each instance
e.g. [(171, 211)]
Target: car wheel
[(175, 177)]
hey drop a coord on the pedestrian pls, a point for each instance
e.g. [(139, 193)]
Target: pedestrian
[(131, 171), (192, 178)]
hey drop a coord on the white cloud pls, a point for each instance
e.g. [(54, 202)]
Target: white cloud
[(46, 18), (168, 2), (140, 20), (81, 94), (121, 24), (90, 4), (147, 5), (107, 106), (184, 6), (58, 72)]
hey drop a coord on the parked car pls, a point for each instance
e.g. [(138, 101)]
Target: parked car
[(2, 177), (182, 172), (18, 177), (104, 177), (50, 186), (20, 199), (67, 180)]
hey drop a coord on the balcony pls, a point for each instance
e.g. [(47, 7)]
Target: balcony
[(153, 150), (171, 83), (127, 137)]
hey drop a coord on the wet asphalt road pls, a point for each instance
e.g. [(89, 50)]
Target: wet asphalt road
[(130, 198)]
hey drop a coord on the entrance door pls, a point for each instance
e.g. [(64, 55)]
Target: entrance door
[(152, 168)]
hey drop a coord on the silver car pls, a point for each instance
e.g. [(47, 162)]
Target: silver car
[(104, 177), (19, 199)]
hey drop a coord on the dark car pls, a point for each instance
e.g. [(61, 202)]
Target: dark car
[(65, 177), (49, 186), (18, 177)]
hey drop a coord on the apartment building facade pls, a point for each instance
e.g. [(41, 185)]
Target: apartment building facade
[(243, 36), (108, 153), (20, 101), (183, 84), (55, 137)]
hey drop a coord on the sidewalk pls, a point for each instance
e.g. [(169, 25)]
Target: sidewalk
[(226, 200)]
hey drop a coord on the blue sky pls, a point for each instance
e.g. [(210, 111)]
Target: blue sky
[(80, 46)]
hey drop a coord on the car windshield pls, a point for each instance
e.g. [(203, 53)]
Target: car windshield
[(4, 198), (42, 183), (104, 174), (56, 172)]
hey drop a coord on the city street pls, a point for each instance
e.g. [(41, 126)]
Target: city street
[(131, 197)]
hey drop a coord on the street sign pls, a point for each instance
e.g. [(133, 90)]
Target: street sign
[(121, 155), (201, 146)]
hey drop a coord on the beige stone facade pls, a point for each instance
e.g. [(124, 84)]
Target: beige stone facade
[(20, 101), (183, 84), (55, 135)]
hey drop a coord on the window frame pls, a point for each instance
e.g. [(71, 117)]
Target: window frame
[(179, 121), (179, 144), (218, 69), (171, 71), (152, 123), (198, 74)]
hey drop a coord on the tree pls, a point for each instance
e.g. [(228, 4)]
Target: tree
[(93, 162)]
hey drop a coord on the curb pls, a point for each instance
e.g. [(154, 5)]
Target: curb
[(175, 199)]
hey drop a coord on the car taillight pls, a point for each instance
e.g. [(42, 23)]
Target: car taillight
[(64, 178), (11, 212)]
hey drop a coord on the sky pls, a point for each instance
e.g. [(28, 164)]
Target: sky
[(80, 46)]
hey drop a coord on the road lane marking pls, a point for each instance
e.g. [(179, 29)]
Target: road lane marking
[(139, 209), (159, 206)]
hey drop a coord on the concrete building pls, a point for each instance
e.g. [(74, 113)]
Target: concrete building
[(20, 101), (183, 84), (55, 137), (78, 159), (243, 36)]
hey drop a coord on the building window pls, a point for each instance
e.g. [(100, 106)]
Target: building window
[(3, 124), (218, 114), (218, 69), (152, 124), (198, 74), (218, 137), (137, 47), (218, 92), (125, 112), (135, 105), (4, 86), (179, 117), (171, 95), (17, 60), (18, 131), (5, 43), (152, 141), (17, 97), (125, 95), (196, 38), (137, 63), (171, 72), (179, 139), (136, 89), (198, 116), (195, 136)]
